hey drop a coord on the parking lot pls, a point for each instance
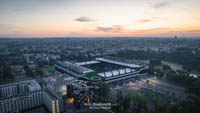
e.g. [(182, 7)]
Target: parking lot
[(148, 87)]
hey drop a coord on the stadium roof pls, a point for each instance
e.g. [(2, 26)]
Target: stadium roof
[(119, 63)]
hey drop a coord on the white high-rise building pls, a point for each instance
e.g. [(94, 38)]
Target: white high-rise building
[(23, 95)]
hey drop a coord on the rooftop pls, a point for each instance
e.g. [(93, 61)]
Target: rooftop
[(119, 63), (32, 85)]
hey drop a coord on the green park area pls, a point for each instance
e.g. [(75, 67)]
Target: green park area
[(47, 69)]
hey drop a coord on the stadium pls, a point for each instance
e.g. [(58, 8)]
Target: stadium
[(107, 69)]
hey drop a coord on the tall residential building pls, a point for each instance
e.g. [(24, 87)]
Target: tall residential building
[(27, 94)]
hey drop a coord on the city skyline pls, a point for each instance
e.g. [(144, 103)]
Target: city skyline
[(99, 18)]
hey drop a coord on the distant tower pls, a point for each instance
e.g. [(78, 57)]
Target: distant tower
[(175, 37), (27, 59)]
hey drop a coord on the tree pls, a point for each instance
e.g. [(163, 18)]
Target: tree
[(189, 105), (104, 89), (1, 74), (7, 72), (139, 102), (126, 103), (2, 62), (151, 70), (29, 72), (181, 77), (195, 87), (159, 108), (166, 67), (38, 72), (90, 83), (173, 108), (82, 112), (123, 102), (158, 73), (155, 62), (120, 100)]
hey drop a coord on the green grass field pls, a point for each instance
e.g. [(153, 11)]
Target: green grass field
[(47, 69), (92, 74)]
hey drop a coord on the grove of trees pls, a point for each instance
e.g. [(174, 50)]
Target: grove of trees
[(5, 71), (183, 56), (137, 103)]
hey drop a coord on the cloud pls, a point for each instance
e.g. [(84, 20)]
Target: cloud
[(84, 19), (104, 29), (76, 34), (174, 31), (109, 29), (194, 31), (160, 4), (5, 28), (153, 30), (160, 28), (141, 21)]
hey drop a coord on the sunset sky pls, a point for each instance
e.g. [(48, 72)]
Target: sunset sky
[(97, 18)]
